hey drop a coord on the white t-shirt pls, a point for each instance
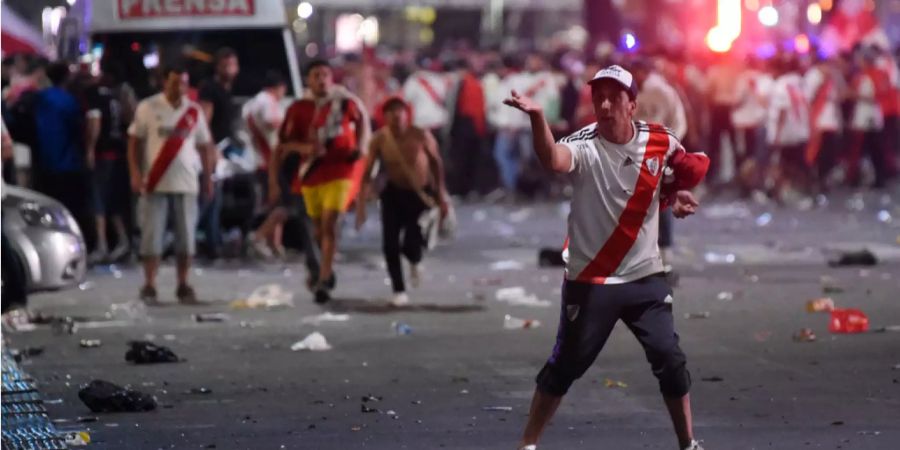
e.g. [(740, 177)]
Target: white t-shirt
[(545, 89), (613, 225), (263, 109), (867, 115), (525, 84), (788, 97), (154, 121), (829, 117), (493, 97), (429, 111), (753, 91)]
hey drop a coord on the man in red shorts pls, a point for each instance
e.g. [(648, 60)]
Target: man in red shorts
[(338, 133)]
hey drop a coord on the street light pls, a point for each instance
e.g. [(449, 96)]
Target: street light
[(801, 44), (814, 13), (768, 16), (718, 40), (629, 41), (304, 10)]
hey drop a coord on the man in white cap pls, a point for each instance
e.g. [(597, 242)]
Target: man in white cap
[(623, 172)]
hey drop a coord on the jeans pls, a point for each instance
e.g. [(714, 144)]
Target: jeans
[(211, 220), (512, 149), (310, 247)]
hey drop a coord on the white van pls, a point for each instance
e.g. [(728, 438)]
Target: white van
[(141, 34)]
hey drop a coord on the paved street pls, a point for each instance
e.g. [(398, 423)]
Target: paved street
[(840, 392)]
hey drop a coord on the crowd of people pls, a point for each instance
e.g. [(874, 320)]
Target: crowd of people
[(623, 135), (795, 126)]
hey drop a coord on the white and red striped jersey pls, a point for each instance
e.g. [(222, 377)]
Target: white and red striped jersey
[(263, 114), (823, 87), (788, 120), (427, 92), (618, 191), (155, 123)]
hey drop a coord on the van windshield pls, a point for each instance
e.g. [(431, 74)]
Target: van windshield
[(136, 54)]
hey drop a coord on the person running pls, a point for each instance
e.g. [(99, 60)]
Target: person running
[(339, 134), (415, 184), (622, 172), (285, 187), (263, 115), (168, 143)]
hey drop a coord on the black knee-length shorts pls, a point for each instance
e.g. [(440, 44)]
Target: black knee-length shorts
[(589, 313)]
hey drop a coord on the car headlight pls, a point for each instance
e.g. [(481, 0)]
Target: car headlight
[(38, 215)]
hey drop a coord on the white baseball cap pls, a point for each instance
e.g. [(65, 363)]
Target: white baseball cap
[(619, 75)]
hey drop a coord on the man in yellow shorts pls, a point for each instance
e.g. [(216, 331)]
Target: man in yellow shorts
[(339, 132)]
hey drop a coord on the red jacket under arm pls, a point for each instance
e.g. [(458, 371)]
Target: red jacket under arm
[(683, 171)]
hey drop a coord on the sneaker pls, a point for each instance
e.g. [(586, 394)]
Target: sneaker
[(330, 283), (148, 296), (119, 252), (415, 275), (259, 247), (529, 447), (399, 299), (186, 295), (694, 446), (322, 295)]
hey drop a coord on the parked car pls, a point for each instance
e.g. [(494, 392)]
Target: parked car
[(43, 239)]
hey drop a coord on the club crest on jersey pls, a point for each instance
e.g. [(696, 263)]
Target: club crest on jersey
[(653, 166)]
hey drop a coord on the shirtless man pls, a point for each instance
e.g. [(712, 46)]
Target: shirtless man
[(415, 183)]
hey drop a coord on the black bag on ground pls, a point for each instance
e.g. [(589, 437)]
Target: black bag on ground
[(143, 352), (103, 396), (856, 258)]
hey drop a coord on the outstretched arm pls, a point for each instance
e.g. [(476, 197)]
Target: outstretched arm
[(553, 156)]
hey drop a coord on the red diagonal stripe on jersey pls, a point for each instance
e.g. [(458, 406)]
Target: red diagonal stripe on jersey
[(171, 147), (260, 141), (623, 237)]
